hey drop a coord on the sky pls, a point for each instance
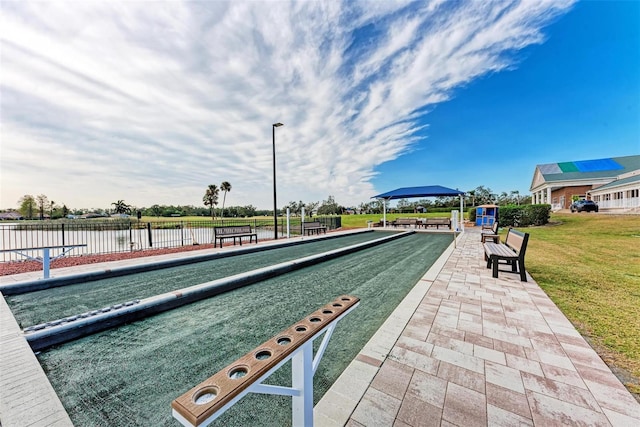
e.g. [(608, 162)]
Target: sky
[(150, 102)]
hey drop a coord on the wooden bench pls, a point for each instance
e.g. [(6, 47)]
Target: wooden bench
[(233, 232), (436, 222), (314, 228), (490, 233), (404, 222), (512, 251)]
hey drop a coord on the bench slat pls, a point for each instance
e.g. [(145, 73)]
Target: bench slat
[(500, 250)]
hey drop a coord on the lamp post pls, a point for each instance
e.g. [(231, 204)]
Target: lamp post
[(275, 203)]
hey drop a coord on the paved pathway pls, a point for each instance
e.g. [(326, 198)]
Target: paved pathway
[(477, 351), (27, 399)]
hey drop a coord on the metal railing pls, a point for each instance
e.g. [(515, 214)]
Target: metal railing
[(627, 203), (124, 235)]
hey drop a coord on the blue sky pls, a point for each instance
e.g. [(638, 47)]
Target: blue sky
[(576, 96), (150, 102)]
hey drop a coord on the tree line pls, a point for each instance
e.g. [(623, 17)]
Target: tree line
[(40, 207)]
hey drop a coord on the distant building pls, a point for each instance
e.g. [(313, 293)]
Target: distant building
[(10, 216), (613, 183), (90, 215)]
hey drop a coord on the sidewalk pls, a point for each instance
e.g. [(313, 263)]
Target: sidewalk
[(465, 349)]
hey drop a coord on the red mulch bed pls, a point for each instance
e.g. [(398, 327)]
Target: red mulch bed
[(16, 267)]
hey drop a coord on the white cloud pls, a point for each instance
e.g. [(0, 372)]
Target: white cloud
[(152, 101)]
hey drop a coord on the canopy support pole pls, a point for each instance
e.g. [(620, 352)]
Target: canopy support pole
[(461, 212), (384, 213)]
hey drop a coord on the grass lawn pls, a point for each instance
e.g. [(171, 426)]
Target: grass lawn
[(351, 221), (589, 265), (348, 221), (192, 218)]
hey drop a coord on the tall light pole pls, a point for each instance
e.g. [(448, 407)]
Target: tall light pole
[(275, 203)]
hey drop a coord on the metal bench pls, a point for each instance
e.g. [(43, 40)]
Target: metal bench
[(314, 227), (233, 232), (512, 251), (490, 233), (436, 222), (404, 222)]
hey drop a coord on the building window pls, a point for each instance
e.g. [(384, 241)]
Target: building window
[(633, 193)]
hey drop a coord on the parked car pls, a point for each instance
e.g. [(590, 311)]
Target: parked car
[(584, 206)]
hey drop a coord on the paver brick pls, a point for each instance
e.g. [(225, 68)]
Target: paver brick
[(465, 407)]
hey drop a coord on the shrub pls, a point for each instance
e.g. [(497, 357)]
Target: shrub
[(523, 216), (538, 214), (510, 216)]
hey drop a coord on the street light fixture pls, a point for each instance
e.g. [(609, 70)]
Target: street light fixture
[(275, 204)]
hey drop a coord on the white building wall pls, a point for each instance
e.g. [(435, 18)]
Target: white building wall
[(618, 198)]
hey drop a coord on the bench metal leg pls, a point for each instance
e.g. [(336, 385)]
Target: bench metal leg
[(523, 272), (495, 266)]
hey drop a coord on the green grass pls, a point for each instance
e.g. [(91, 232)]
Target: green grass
[(355, 221), (589, 265), (194, 218), (348, 221)]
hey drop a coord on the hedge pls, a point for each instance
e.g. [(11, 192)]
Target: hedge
[(519, 216)]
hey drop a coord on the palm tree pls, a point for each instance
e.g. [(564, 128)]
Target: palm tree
[(226, 187), (121, 207), (516, 193), (472, 194), (211, 198)]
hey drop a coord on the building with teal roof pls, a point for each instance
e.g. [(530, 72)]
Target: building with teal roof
[(613, 183)]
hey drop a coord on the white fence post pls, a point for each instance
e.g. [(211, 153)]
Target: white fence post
[(288, 222)]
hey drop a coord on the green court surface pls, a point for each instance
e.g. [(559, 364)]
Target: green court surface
[(129, 375), (55, 303)]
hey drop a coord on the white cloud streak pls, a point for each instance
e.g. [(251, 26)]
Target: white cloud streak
[(152, 101)]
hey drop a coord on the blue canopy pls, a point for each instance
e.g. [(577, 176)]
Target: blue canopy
[(428, 191)]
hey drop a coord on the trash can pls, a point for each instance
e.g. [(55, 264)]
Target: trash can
[(486, 215)]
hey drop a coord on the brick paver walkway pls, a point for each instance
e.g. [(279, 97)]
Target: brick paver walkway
[(479, 351)]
